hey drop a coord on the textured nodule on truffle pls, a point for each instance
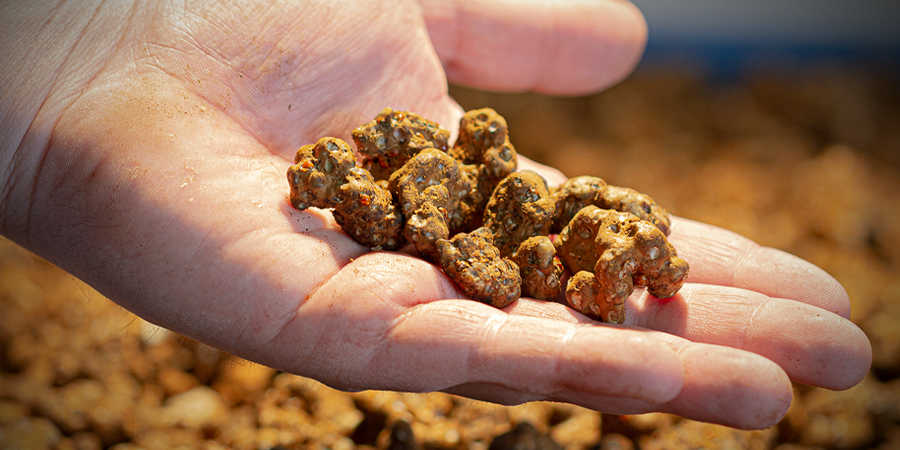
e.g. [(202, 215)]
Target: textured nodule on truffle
[(483, 145), (539, 268), (578, 192), (325, 176), (585, 294), (641, 205), (469, 214), (393, 138), (318, 173), (368, 214), (519, 208), (622, 251), (428, 186), (475, 265), (484, 139)]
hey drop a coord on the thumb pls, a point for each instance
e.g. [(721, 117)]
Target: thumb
[(557, 47)]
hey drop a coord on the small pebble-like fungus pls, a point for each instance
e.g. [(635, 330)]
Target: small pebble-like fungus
[(413, 188), (474, 263), (325, 175), (427, 187), (393, 138), (618, 251), (519, 208)]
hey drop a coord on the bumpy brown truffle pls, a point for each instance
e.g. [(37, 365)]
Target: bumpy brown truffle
[(483, 145), (519, 208), (368, 214), (585, 294), (484, 139), (393, 138), (622, 251), (539, 268), (428, 186), (325, 176), (641, 205), (475, 265), (423, 193), (578, 192), (318, 173)]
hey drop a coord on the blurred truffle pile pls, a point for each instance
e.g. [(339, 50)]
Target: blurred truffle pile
[(805, 162)]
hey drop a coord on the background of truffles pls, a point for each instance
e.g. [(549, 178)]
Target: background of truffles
[(806, 162)]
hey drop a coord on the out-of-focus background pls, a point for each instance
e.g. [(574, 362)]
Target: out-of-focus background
[(728, 37), (778, 120)]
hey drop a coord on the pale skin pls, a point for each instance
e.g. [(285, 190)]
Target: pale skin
[(144, 149)]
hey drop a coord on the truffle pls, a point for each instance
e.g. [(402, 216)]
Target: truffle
[(539, 268), (519, 208), (393, 137), (325, 176), (474, 264), (428, 186), (621, 251), (483, 146), (578, 192)]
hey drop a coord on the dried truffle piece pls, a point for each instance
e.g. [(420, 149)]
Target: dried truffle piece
[(325, 176), (428, 186), (586, 295), (578, 192), (367, 212), (641, 205), (519, 208), (484, 139), (539, 268), (573, 195), (483, 145), (469, 214), (474, 264), (393, 138), (318, 173), (622, 251)]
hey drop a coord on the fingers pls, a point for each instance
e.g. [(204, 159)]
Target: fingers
[(732, 388), (399, 337), (721, 257), (811, 345), (721, 385), (567, 47)]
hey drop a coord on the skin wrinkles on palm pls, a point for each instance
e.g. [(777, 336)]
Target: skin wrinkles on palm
[(175, 160)]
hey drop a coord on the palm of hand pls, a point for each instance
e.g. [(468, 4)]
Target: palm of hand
[(174, 157)]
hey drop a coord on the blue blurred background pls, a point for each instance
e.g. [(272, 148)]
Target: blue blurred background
[(727, 37)]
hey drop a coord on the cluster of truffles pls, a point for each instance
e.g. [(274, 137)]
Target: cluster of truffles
[(489, 227)]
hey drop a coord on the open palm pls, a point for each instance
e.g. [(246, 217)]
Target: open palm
[(152, 165)]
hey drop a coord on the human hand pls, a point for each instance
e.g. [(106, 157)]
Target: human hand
[(145, 152)]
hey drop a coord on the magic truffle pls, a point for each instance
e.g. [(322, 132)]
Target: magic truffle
[(578, 192), (394, 137), (611, 238), (539, 268), (519, 208), (325, 175), (610, 253), (428, 186), (474, 264), (488, 156)]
